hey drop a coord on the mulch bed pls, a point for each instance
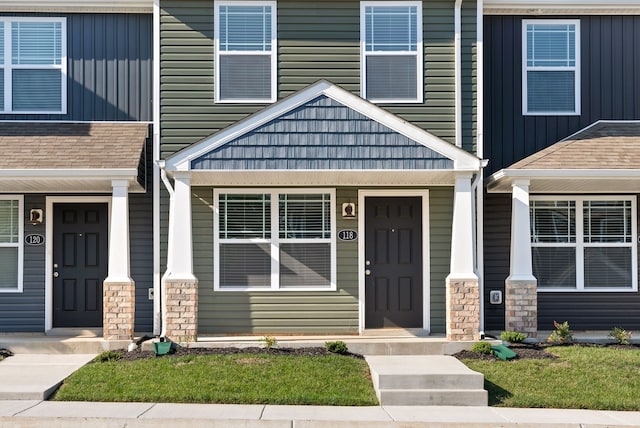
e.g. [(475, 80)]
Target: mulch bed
[(536, 351), (182, 351)]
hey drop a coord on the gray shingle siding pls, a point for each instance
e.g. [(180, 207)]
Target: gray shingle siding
[(322, 134)]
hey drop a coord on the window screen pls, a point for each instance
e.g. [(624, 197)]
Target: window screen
[(9, 244)]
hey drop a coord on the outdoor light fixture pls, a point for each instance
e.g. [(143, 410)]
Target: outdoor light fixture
[(36, 216)]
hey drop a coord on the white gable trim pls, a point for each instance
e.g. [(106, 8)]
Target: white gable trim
[(463, 160)]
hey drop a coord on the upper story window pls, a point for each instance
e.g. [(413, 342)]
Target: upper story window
[(551, 67), (11, 229), (245, 44), (391, 51), (584, 243), (33, 65)]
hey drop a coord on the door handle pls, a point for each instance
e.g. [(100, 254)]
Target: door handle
[(56, 274)]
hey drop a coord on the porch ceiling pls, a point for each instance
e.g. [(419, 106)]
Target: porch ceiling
[(323, 178)]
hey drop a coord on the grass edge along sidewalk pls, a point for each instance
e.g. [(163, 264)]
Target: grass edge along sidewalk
[(261, 378), (582, 377)]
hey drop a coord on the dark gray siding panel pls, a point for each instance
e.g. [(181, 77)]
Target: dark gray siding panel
[(141, 244), (109, 68), (322, 134), (610, 64), (497, 241), (24, 312)]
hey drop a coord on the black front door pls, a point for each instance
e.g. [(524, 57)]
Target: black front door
[(393, 262), (80, 245)]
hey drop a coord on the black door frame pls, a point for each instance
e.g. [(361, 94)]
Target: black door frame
[(48, 221), (426, 253)]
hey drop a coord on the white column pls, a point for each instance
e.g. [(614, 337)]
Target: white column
[(181, 265), (462, 230), (119, 263), (520, 268)]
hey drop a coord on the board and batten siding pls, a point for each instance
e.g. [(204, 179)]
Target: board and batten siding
[(109, 66), (316, 40), (309, 312), (610, 64), (583, 310)]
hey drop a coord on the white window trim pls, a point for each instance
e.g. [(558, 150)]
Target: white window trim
[(419, 52), (275, 238), (9, 67), (579, 245), (19, 244), (575, 69), (273, 53)]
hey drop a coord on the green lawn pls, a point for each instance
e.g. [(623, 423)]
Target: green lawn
[(582, 378), (241, 378)]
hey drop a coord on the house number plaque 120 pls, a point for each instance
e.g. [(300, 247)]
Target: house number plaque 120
[(34, 239)]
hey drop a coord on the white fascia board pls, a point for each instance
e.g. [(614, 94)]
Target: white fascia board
[(111, 6), (582, 7), (499, 180), (463, 160), (38, 174)]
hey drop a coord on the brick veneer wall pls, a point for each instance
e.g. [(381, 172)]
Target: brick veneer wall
[(463, 309), (181, 306), (119, 301), (521, 306)]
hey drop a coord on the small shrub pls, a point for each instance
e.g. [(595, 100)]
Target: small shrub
[(482, 348), (107, 356), (513, 336), (620, 335), (561, 334), (269, 342), (337, 347)]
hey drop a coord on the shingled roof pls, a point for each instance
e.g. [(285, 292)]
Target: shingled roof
[(604, 145), (55, 145)]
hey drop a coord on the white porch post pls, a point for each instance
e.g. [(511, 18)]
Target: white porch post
[(119, 288), (521, 303), (181, 286), (463, 295)]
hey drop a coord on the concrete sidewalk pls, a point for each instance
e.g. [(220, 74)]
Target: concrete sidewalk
[(74, 414), (36, 376)]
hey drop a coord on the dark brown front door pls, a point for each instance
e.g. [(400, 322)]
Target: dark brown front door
[(80, 245), (393, 262)]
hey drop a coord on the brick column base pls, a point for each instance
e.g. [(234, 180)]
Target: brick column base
[(118, 310), (181, 306), (463, 309), (521, 306)]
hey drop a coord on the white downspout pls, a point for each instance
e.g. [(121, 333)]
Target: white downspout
[(480, 154), (167, 185), (157, 298), (457, 47)]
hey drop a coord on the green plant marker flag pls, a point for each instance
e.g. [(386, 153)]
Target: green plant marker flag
[(503, 352)]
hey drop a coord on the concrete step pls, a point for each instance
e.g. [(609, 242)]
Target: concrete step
[(433, 397), (411, 380)]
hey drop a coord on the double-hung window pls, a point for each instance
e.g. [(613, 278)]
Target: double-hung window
[(33, 65), (551, 67), (274, 240), (11, 230), (391, 51), (245, 45), (584, 244)]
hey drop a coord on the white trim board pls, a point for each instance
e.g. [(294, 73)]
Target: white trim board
[(426, 252)]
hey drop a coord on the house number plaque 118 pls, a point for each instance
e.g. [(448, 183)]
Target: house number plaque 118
[(347, 235)]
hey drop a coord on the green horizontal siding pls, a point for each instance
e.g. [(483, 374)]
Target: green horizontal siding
[(273, 311), (316, 40), (440, 218), (309, 312)]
